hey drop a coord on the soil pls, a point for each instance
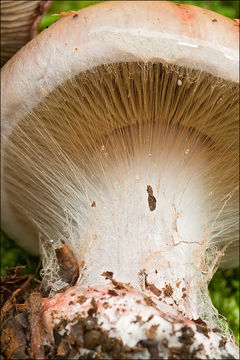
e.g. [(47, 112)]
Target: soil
[(22, 331)]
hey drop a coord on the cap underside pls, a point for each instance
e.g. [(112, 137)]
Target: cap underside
[(56, 146)]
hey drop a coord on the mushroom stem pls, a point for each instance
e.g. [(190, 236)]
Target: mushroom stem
[(124, 234)]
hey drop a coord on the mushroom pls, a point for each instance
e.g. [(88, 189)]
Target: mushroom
[(19, 23), (120, 141)]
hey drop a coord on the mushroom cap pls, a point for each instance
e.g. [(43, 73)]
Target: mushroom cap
[(106, 33), (19, 22), (115, 32)]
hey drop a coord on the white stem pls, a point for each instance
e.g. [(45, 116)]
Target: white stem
[(123, 234)]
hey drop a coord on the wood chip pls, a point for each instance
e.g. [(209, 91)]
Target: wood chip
[(68, 264), (34, 304), (12, 300)]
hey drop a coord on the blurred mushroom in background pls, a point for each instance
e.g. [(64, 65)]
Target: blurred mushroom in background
[(19, 24)]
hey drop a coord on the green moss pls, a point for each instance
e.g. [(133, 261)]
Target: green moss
[(224, 291), (12, 255)]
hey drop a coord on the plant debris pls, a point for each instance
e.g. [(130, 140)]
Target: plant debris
[(21, 304), (67, 13), (153, 289), (168, 290), (34, 304), (109, 275), (93, 309), (68, 264), (151, 199), (14, 288), (149, 301)]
